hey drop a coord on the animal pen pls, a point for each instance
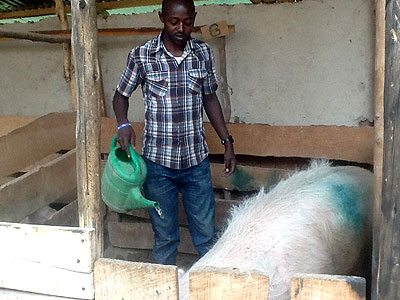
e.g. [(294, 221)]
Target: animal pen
[(66, 152)]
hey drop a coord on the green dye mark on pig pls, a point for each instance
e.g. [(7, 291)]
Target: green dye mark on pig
[(347, 196)]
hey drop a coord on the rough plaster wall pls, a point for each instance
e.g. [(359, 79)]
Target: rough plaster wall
[(31, 75), (301, 63)]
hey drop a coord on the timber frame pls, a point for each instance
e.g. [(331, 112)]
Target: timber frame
[(383, 153)]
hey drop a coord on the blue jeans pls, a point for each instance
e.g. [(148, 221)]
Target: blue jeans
[(162, 185)]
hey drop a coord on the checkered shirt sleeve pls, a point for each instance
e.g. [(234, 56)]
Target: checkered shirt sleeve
[(210, 83), (131, 77)]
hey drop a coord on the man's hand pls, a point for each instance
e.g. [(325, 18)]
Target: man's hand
[(229, 159), (127, 136)]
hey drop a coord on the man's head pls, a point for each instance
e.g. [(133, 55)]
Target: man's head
[(178, 17)]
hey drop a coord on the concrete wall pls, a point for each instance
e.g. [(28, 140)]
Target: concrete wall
[(305, 63)]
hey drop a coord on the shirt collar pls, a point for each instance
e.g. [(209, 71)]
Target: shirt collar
[(158, 45)]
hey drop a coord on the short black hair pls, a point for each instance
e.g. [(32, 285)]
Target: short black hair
[(166, 3)]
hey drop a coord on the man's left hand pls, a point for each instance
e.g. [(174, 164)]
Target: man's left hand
[(229, 159)]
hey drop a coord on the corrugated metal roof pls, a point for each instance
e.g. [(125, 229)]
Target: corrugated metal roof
[(16, 5)]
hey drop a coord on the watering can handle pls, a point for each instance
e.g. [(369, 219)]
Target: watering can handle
[(134, 155)]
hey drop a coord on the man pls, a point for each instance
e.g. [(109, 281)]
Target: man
[(178, 79)]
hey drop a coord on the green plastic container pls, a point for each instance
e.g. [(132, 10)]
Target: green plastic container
[(123, 179)]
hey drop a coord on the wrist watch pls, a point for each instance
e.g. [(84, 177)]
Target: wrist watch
[(229, 139)]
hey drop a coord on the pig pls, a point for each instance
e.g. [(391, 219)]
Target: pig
[(317, 221)]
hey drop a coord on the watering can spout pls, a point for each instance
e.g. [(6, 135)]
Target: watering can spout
[(135, 199), (123, 179)]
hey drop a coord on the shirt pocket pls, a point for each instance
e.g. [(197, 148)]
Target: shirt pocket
[(195, 80), (157, 85)]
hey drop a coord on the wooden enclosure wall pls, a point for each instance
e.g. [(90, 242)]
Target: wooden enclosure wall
[(54, 132), (51, 141)]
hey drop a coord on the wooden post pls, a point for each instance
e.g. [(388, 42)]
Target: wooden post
[(388, 275), (327, 287), (379, 133), (69, 69), (226, 101), (227, 284), (88, 123), (116, 279)]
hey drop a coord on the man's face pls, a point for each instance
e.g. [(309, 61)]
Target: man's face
[(178, 22)]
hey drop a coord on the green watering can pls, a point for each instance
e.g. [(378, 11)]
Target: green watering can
[(123, 179)]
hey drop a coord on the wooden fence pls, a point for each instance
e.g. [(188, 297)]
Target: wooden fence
[(38, 168)]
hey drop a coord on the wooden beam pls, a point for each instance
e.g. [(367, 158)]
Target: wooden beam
[(66, 216), (104, 5), (141, 236), (118, 279), (48, 260), (29, 13), (38, 188), (69, 69), (379, 134), (112, 32), (61, 247), (36, 37), (35, 277), (226, 100), (62, 16), (328, 287), (227, 284), (388, 275), (10, 123), (6, 294), (40, 138), (355, 144), (89, 83), (53, 132)]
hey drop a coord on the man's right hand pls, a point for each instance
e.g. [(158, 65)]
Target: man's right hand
[(127, 135)]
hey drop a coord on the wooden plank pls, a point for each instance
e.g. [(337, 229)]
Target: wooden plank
[(379, 134), (223, 81), (117, 279), (343, 143), (28, 144), (90, 95), (388, 274), (222, 208), (38, 278), (327, 287), (6, 294), (69, 69), (141, 236), (27, 13), (6, 179), (112, 32), (104, 5), (38, 188), (36, 37), (67, 216), (246, 178), (227, 284), (10, 123), (41, 162), (61, 247), (355, 144), (215, 30)]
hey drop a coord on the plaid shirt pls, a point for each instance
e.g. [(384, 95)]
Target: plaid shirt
[(173, 135)]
